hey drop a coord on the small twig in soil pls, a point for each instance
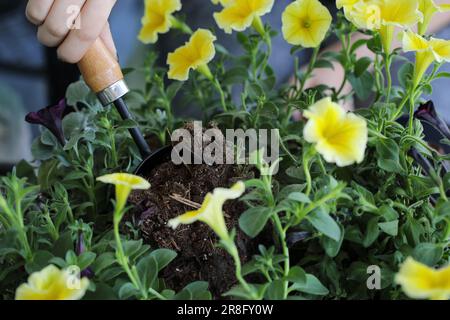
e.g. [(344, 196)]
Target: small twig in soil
[(189, 203), (185, 201)]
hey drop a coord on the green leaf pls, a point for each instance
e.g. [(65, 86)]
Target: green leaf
[(173, 89), (147, 268), (127, 291), (391, 227), (237, 292), (77, 92), (86, 259), (269, 110), (163, 257), (73, 123), (428, 253), (194, 291), (297, 275), (405, 74), (41, 259), (127, 124), (325, 224), (253, 221), (311, 286), (102, 292), (235, 76), (388, 155), (362, 65), (362, 85), (323, 64), (63, 244), (299, 197), (103, 261), (372, 232), (276, 290), (130, 247), (331, 246)]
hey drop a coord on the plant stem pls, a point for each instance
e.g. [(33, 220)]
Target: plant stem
[(123, 261), (113, 148), (388, 63), (310, 69), (411, 115), (285, 249), (306, 160), (230, 246), (221, 93)]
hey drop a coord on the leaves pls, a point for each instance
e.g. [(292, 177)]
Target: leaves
[(253, 221), (312, 286), (388, 155), (325, 224)]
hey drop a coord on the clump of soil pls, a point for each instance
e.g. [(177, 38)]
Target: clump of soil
[(176, 189)]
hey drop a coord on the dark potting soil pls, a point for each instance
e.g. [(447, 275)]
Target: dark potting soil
[(176, 189)]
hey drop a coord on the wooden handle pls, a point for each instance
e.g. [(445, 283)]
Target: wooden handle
[(99, 68)]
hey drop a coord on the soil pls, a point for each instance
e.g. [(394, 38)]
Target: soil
[(176, 189)]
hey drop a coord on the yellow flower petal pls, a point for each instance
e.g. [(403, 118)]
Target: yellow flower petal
[(428, 51), (441, 49), (124, 183), (125, 179), (402, 13), (419, 281), (338, 136), (157, 19), (197, 52), (429, 8), (306, 23), (211, 211), (383, 15), (238, 15), (414, 42), (52, 284)]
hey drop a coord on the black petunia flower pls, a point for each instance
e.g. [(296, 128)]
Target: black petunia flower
[(427, 113), (51, 117)]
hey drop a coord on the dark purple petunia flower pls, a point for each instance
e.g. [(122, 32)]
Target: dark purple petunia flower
[(427, 113), (51, 117), (79, 249)]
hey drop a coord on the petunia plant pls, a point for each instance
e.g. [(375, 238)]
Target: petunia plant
[(352, 188)]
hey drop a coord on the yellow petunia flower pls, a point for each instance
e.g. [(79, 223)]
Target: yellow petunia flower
[(52, 284), (340, 137), (419, 281), (383, 16), (427, 51), (211, 211), (195, 55), (124, 183), (429, 8), (306, 23), (158, 19), (238, 15)]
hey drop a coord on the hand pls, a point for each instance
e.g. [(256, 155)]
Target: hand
[(72, 25)]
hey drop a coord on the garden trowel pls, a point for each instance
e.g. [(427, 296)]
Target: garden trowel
[(102, 73)]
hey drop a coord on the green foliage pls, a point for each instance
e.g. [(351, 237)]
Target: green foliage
[(328, 224)]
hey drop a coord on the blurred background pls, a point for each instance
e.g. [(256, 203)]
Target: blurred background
[(31, 76)]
